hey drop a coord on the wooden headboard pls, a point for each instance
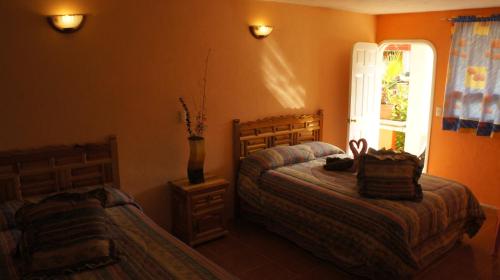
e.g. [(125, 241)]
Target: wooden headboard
[(288, 130), (34, 172)]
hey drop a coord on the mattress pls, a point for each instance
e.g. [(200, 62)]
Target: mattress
[(375, 238)]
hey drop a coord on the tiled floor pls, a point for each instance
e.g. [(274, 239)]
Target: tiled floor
[(251, 252)]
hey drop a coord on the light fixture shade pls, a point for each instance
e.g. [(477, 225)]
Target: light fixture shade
[(66, 23), (261, 31)]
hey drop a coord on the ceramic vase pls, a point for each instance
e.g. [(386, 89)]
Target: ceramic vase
[(196, 160)]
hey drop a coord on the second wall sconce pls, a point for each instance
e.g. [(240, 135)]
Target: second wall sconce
[(260, 31), (66, 23)]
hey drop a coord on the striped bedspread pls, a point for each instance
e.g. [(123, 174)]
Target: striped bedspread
[(146, 251), (375, 238)]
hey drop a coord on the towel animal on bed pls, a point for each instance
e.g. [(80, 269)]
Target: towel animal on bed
[(358, 148)]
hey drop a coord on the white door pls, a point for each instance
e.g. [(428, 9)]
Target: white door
[(418, 120), (419, 98), (364, 108)]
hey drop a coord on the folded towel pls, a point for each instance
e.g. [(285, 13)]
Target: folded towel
[(338, 164), (390, 175)]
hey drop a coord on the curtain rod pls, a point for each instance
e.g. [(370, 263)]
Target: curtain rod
[(470, 18)]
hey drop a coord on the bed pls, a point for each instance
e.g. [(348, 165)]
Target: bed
[(145, 250), (289, 192)]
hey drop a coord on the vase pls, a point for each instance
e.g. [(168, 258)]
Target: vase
[(196, 160)]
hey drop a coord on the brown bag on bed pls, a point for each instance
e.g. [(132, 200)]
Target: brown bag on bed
[(390, 175)]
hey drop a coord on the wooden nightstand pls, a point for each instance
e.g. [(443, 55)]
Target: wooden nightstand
[(199, 210)]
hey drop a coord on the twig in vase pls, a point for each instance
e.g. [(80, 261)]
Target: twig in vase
[(188, 116), (201, 116)]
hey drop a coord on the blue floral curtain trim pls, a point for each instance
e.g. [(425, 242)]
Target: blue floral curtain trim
[(472, 98)]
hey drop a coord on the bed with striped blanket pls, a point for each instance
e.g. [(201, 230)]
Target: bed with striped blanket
[(291, 193), (145, 250)]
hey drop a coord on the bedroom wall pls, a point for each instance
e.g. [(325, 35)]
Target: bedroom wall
[(461, 156), (124, 70)]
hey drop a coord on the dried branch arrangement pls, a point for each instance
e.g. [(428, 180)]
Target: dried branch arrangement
[(201, 116)]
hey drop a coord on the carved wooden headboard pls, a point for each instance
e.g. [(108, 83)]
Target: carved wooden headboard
[(288, 130), (26, 173)]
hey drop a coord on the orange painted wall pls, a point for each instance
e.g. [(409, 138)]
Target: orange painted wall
[(464, 157), (124, 70)]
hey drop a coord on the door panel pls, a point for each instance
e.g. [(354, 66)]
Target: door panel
[(364, 108), (419, 99)]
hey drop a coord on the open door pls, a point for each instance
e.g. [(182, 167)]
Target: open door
[(407, 68), (419, 99), (364, 108)]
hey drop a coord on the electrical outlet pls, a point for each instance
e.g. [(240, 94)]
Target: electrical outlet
[(439, 111)]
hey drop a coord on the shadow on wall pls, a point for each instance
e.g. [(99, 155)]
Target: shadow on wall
[(153, 201), (280, 79)]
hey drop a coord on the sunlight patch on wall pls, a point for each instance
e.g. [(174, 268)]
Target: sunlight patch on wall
[(280, 79)]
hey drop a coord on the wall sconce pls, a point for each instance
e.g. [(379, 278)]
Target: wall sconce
[(66, 23), (260, 31)]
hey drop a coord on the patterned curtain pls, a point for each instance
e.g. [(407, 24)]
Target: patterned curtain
[(472, 98)]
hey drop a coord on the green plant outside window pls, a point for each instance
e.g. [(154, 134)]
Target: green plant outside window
[(395, 91)]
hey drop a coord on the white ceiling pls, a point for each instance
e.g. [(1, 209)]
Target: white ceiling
[(395, 6)]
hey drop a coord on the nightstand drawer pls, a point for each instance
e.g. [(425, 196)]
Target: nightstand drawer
[(209, 200), (208, 226)]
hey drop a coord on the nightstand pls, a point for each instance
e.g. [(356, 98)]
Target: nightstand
[(199, 210)]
